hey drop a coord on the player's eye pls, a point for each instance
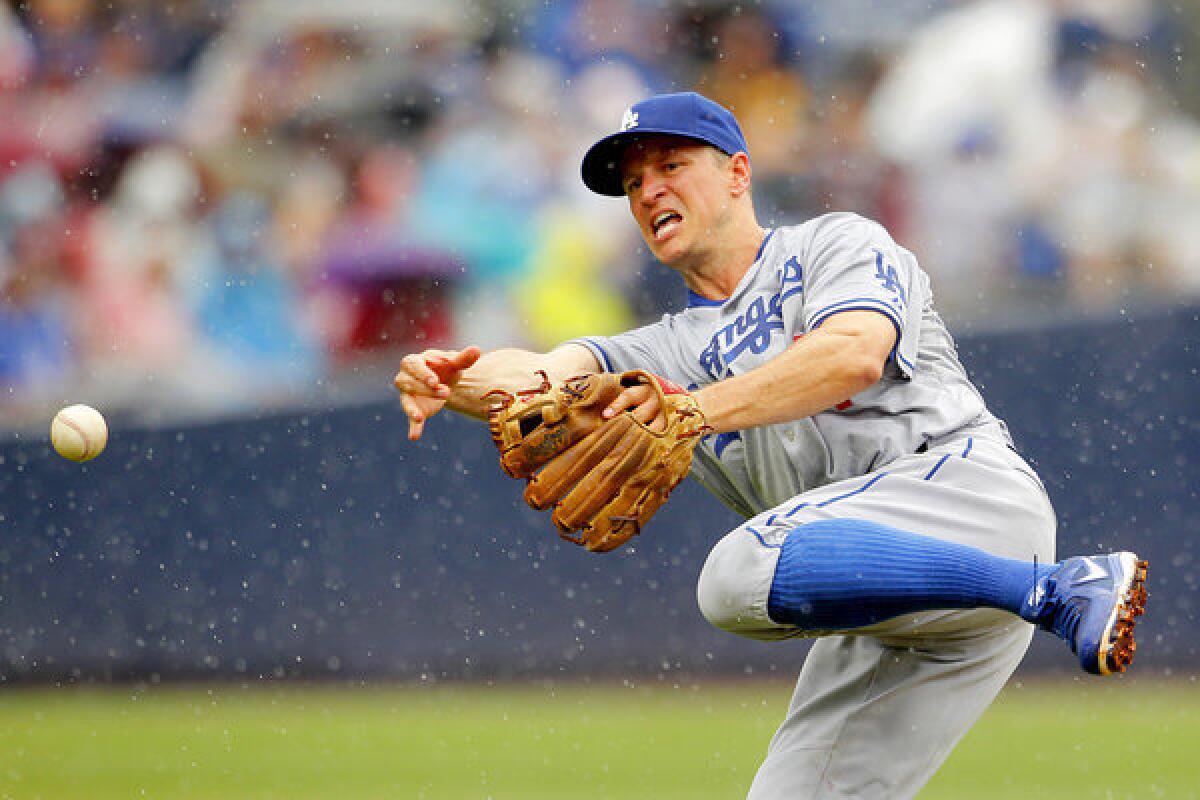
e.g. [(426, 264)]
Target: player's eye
[(673, 165), (632, 184)]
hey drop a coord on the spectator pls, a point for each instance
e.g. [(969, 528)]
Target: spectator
[(571, 262), (35, 354), (245, 307), (847, 172), (968, 111), (302, 194), (135, 328), (747, 75), (384, 279)]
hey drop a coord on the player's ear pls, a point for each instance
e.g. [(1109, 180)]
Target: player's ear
[(740, 173)]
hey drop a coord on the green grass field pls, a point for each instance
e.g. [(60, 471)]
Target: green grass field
[(1058, 739)]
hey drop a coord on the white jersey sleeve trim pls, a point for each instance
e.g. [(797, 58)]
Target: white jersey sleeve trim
[(855, 304)]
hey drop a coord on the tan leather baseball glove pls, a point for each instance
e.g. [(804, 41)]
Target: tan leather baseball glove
[(604, 478)]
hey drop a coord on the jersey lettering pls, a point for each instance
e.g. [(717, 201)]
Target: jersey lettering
[(793, 278), (753, 329), (889, 278)]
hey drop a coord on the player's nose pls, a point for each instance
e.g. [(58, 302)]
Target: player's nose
[(651, 190)]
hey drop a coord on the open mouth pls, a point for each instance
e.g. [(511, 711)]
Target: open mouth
[(665, 223)]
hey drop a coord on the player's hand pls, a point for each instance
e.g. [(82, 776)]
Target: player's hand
[(426, 380), (643, 401)]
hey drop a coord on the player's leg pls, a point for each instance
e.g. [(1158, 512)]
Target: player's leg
[(844, 574), (876, 712), (853, 574), (875, 718), (839, 574), (832, 560), (811, 577)]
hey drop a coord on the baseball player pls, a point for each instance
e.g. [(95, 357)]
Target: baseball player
[(887, 511)]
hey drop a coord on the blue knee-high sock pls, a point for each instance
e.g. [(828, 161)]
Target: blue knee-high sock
[(840, 574)]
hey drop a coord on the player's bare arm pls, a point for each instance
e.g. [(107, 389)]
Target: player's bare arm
[(459, 379), (843, 357), (828, 366)]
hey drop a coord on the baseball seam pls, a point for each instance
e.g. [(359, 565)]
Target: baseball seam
[(87, 443)]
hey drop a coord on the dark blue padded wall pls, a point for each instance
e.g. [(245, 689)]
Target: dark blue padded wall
[(324, 544)]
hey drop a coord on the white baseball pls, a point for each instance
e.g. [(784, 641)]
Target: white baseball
[(79, 433)]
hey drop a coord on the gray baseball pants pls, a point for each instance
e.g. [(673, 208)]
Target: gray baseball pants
[(878, 709)]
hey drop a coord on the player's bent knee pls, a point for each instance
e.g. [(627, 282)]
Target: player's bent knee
[(734, 584)]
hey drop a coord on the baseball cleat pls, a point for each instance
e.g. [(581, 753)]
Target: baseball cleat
[(1093, 602)]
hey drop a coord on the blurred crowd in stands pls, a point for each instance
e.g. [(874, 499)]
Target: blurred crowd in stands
[(208, 206)]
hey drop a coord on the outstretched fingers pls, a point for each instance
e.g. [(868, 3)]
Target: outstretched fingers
[(416, 377), (425, 383), (446, 366), (456, 360), (416, 417), (430, 374)]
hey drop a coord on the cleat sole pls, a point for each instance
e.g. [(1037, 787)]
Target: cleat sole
[(1117, 652)]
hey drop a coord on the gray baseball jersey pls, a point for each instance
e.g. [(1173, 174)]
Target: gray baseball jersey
[(802, 276)]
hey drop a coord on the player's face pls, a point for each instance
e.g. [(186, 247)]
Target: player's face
[(678, 191)]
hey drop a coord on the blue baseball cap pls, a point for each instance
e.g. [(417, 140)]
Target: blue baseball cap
[(679, 114)]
